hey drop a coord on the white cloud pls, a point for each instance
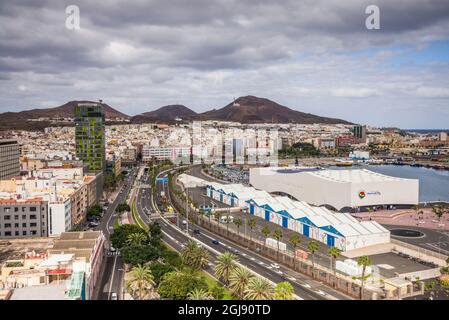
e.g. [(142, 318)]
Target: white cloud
[(354, 92), (432, 92)]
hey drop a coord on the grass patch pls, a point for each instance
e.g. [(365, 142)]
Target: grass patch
[(137, 218), (212, 282), (117, 222)]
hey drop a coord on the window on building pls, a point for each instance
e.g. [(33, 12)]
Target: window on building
[(16, 209), (33, 209), (24, 216), (23, 209), (33, 232), (16, 225), (16, 217), (24, 233), (7, 225), (24, 225), (33, 224), (7, 217), (7, 233), (33, 217), (17, 233)]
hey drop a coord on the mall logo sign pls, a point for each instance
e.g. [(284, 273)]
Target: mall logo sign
[(363, 194)]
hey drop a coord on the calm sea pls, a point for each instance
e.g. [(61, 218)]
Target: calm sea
[(433, 184)]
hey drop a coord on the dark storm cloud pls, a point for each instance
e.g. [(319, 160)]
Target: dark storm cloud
[(195, 50)]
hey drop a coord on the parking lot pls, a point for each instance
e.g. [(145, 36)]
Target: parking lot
[(233, 174)]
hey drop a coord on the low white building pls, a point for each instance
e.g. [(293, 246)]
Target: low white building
[(335, 229), (338, 189)]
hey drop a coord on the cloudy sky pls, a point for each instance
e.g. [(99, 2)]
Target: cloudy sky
[(311, 55)]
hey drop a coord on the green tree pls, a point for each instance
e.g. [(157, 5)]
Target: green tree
[(334, 253), (195, 256), (136, 239), (239, 280), (284, 291), (363, 261), (225, 265), (277, 234), (139, 254), (94, 211), (141, 281), (177, 285), (159, 270), (313, 247), (199, 294), (122, 207), (259, 289), (266, 232), (154, 229), (238, 223), (121, 233), (251, 225), (294, 241)]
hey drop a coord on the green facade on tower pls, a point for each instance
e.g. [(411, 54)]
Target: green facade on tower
[(90, 135)]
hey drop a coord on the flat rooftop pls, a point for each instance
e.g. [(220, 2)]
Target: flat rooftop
[(52, 291)]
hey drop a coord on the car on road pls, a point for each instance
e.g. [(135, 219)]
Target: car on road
[(172, 220), (275, 265), (184, 222), (112, 249), (113, 296), (216, 242), (93, 224), (196, 231)]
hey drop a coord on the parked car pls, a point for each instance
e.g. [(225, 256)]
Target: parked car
[(113, 296), (184, 222), (196, 231), (216, 242)]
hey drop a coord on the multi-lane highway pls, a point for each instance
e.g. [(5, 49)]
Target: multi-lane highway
[(305, 288)]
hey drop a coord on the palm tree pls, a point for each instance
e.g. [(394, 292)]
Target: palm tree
[(277, 234), (334, 253), (199, 294), (217, 216), (313, 247), (259, 289), (141, 280), (238, 222), (251, 225), (284, 291), (363, 261), (294, 241), (239, 280), (136, 239), (194, 256), (266, 232), (225, 265)]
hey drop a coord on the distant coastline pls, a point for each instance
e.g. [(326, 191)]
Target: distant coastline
[(426, 130)]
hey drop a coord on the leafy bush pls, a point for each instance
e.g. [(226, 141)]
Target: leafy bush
[(158, 270), (139, 254), (121, 234), (177, 285)]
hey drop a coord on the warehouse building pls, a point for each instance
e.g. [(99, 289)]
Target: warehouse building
[(340, 190), (335, 229)]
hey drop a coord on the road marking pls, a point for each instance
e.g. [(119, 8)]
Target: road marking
[(253, 258), (306, 285), (292, 279), (321, 292)]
